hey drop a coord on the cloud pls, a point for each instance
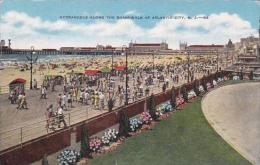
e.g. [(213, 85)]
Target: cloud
[(25, 30), (258, 2), (132, 12)]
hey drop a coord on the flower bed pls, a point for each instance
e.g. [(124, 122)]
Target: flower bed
[(220, 79), (215, 83), (209, 86), (109, 136), (95, 144), (110, 139), (201, 89), (236, 78), (191, 94), (179, 100), (165, 107), (146, 117), (135, 124), (68, 157)]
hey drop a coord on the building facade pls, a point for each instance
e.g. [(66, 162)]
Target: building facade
[(148, 48), (205, 49), (248, 49), (98, 50)]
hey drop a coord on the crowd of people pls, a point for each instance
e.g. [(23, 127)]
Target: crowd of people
[(105, 91)]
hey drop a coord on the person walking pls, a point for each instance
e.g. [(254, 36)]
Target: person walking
[(43, 92), (97, 101), (164, 87), (23, 102), (70, 100), (63, 101), (48, 115), (102, 101), (59, 100), (34, 84), (121, 97), (61, 117)]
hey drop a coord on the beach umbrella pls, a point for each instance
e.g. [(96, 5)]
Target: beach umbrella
[(92, 72)]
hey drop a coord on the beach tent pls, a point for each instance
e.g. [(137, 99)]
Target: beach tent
[(92, 72), (17, 84), (119, 68)]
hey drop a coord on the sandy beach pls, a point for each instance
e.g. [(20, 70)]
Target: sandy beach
[(64, 66)]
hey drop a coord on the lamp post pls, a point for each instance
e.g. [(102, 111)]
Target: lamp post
[(153, 62), (217, 58), (31, 63), (126, 74), (188, 53), (112, 63)]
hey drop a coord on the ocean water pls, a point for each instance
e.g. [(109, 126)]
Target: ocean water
[(8, 59)]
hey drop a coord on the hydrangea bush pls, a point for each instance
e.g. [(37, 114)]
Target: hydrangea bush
[(225, 78), (95, 144), (215, 83), (201, 89), (135, 123), (146, 117), (68, 157), (236, 78), (109, 136), (166, 107), (179, 100), (220, 79), (191, 94), (208, 85)]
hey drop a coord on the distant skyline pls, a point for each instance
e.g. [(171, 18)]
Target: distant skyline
[(39, 23)]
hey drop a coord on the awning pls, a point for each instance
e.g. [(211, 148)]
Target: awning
[(18, 81), (92, 72), (119, 68)]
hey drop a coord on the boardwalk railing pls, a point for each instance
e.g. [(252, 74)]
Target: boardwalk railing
[(9, 138)]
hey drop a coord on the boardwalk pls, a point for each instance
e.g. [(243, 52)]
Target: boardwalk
[(19, 126)]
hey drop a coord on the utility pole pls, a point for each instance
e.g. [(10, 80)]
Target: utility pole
[(31, 64), (112, 63), (126, 77)]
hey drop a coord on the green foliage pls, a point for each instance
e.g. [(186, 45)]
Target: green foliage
[(204, 85), (85, 150), (196, 87), (45, 160), (152, 107), (173, 97), (241, 75), (185, 94), (110, 104), (251, 75), (124, 124)]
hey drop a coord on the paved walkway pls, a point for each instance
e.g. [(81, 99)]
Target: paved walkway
[(18, 126), (234, 111)]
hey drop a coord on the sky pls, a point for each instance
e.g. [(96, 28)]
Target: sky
[(47, 23)]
